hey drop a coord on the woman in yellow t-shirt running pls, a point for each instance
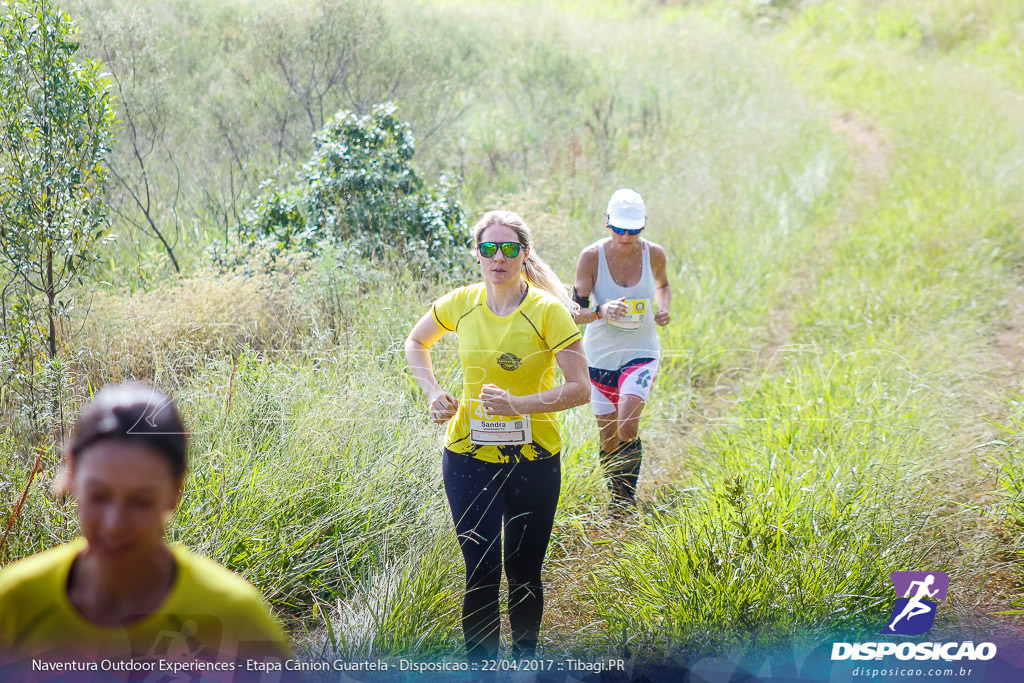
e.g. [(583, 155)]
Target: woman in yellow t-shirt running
[(500, 462), (120, 591)]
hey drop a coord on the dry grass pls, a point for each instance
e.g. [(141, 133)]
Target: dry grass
[(177, 326)]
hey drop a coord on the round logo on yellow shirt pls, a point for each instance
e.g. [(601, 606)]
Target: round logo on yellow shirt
[(509, 361)]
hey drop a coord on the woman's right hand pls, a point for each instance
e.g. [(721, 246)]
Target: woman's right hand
[(443, 407), (615, 309)]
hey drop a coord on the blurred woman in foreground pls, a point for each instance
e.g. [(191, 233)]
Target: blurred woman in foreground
[(119, 591)]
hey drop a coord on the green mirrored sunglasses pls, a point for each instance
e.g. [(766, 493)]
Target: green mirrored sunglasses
[(509, 249)]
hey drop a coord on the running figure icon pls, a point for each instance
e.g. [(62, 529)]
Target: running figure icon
[(915, 606), (920, 594)]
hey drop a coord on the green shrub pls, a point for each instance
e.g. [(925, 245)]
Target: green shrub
[(361, 188)]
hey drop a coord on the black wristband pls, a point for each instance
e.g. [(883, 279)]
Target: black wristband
[(583, 301)]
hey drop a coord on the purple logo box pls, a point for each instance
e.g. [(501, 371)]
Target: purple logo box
[(917, 597)]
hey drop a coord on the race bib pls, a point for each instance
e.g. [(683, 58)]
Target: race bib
[(636, 311), (497, 430)]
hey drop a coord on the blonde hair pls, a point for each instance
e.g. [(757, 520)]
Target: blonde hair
[(535, 270)]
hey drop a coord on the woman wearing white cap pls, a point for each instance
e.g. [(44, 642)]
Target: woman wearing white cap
[(624, 276)]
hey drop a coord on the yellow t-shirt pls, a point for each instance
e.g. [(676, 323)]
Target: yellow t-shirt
[(210, 614), (515, 352)]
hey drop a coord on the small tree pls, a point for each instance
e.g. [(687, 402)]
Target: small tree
[(56, 123), (361, 188), (127, 45)]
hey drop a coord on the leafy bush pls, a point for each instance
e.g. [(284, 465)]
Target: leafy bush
[(361, 188), (56, 123)]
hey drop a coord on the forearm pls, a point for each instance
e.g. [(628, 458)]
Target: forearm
[(421, 367), (663, 297), (564, 396), (586, 315), (581, 294)]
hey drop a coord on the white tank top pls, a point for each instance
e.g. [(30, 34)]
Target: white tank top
[(612, 344)]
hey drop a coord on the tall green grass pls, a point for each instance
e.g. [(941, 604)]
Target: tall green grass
[(778, 492), (792, 516), (315, 480)]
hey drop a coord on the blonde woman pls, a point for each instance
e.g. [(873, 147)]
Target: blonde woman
[(500, 461)]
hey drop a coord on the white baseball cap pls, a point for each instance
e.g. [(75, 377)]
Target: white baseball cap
[(626, 210)]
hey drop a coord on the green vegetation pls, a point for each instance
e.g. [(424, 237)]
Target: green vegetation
[(57, 121), (837, 187), (361, 188)]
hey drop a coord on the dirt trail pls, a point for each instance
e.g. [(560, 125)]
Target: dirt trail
[(870, 153), (597, 540), (986, 582), (870, 161)]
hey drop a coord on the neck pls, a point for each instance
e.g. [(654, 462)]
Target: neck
[(503, 298), (110, 592)]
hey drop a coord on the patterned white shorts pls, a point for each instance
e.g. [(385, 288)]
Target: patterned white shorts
[(635, 377)]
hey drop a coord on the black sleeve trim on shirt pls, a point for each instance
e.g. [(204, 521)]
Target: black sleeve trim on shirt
[(532, 325), (464, 315), (572, 337), (434, 311)]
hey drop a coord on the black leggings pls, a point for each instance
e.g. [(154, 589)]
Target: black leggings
[(485, 497)]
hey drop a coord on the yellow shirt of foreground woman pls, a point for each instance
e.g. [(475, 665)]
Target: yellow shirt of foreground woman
[(120, 592)]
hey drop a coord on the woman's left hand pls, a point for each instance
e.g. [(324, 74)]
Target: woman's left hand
[(496, 400), (662, 317)]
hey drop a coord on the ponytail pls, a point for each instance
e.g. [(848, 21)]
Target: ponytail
[(535, 271), (539, 274)]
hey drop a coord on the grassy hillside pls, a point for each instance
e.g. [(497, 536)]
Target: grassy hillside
[(837, 187)]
